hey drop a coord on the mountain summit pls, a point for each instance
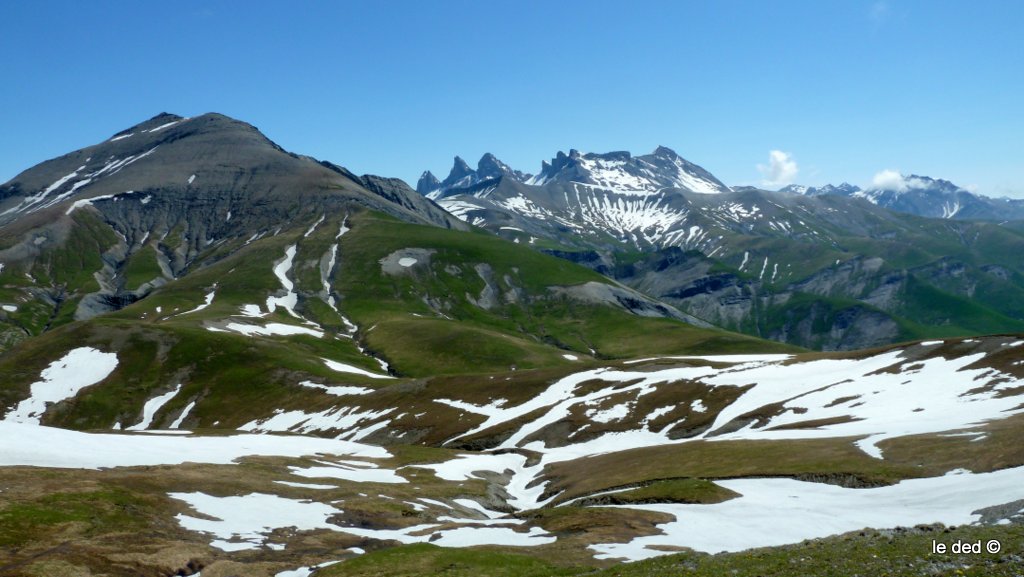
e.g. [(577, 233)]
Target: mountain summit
[(623, 173), (209, 164), (172, 192), (462, 176)]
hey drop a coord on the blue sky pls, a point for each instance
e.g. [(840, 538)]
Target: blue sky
[(842, 90)]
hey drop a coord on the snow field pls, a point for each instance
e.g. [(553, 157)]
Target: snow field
[(774, 512)]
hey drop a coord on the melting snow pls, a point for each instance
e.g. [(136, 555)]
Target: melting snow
[(208, 300), (243, 522), (290, 299), (163, 126), (879, 404), (460, 209), (240, 522), (270, 329), (63, 379), (88, 201), (152, 406), (361, 473), (344, 368), (306, 485), (184, 413), (347, 419), (253, 311), (36, 446), (616, 413), (338, 391), (407, 261), (313, 228), (774, 512)]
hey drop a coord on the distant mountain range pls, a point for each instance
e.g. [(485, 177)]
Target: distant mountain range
[(664, 170), (925, 196), (829, 267)]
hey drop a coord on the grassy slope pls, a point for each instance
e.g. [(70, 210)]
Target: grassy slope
[(527, 333), (233, 377), (900, 553)]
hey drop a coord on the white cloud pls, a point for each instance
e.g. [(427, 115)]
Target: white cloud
[(889, 180), (780, 170)]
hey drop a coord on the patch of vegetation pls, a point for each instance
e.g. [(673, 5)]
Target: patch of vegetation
[(669, 491), (110, 510), (426, 559), (141, 268)]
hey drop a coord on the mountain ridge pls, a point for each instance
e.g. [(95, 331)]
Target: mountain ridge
[(924, 196)]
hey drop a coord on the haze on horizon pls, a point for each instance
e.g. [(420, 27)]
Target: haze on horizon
[(766, 95)]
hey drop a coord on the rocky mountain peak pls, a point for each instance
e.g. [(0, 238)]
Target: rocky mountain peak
[(427, 183), (460, 174), (665, 152), (490, 167), (622, 172), (463, 176)]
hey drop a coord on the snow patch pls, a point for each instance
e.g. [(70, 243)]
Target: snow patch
[(35, 446), (344, 368), (773, 512), (152, 406), (62, 380)]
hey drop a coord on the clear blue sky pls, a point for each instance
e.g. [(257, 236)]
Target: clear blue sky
[(846, 88)]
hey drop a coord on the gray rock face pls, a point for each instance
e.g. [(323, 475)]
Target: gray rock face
[(460, 175), (397, 191), (463, 178), (490, 167), (406, 261), (626, 299), (427, 183)]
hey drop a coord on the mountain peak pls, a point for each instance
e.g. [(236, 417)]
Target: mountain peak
[(665, 152), (621, 172), (460, 175), (427, 183), (157, 168), (162, 119)]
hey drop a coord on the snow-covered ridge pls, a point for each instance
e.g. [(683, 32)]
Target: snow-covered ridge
[(625, 174)]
